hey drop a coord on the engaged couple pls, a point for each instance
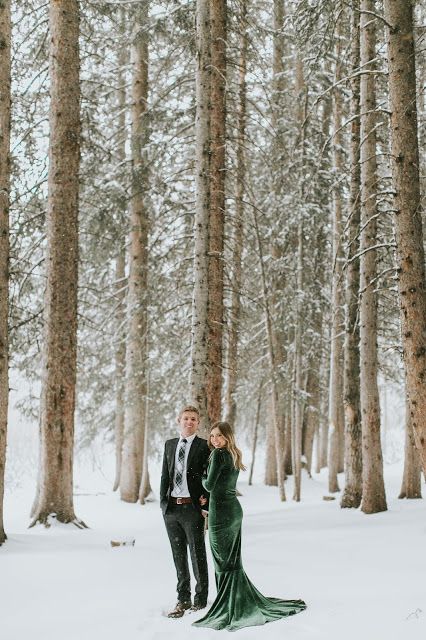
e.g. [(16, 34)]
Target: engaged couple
[(199, 477)]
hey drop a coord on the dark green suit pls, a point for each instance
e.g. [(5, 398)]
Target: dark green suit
[(184, 522)]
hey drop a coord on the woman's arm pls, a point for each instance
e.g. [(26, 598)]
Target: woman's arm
[(214, 470)]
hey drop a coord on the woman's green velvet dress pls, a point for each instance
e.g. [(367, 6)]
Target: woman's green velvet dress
[(238, 603)]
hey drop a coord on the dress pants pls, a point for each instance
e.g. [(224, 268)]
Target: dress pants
[(185, 528)]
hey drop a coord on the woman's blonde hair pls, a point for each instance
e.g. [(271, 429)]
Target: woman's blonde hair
[(227, 432)]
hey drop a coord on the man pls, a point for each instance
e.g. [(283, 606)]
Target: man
[(181, 496)]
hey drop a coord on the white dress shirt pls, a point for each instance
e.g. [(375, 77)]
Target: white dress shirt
[(183, 491)]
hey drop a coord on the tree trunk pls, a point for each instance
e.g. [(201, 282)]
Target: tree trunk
[(217, 207), (232, 370), (120, 363), (210, 134), (373, 490), (289, 420), (352, 493), (298, 387), (336, 391), (5, 100), (323, 427), (311, 417), (255, 432), (199, 345), (278, 81), (322, 431), (271, 479), (341, 417), (136, 348), (410, 257), (120, 279), (411, 481), (297, 424), (321, 435), (317, 442), (278, 277), (145, 488), (272, 362), (55, 490)]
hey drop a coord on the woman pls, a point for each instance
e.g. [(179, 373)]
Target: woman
[(238, 603)]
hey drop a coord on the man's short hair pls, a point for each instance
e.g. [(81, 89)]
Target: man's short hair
[(191, 408)]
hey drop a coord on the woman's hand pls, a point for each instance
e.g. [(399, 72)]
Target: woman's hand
[(202, 500)]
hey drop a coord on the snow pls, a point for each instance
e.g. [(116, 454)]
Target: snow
[(361, 576)]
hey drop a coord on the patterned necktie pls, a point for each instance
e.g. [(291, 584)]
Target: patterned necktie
[(180, 465)]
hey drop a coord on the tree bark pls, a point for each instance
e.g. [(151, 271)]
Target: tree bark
[(232, 370), (55, 490), (289, 408), (120, 363), (298, 386), (373, 489), (145, 488), (137, 325), (271, 479), (272, 361), (277, 276), (336, 373), (255, 433), (311, 417), (299, 406), (322, 432), (199, 345), (323, 426), (217, 207), (5, 107), (278, 82), (410, 257), (352, 493), (411, 481), (120, 278), (288, 462)]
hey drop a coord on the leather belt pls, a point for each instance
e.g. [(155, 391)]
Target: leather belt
[(180, 500)]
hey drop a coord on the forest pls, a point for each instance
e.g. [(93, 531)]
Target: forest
[(217, 203)]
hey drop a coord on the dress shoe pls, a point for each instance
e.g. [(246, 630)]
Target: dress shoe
[(179, 610), (198, 607)]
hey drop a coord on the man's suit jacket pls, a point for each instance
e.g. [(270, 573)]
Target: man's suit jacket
[(196, 465)]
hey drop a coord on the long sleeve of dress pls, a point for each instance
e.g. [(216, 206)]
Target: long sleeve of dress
[(214, 470)]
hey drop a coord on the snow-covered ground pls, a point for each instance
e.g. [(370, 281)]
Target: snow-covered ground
[(363, 577)]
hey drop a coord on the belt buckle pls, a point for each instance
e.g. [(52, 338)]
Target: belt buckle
[(179, 501)]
